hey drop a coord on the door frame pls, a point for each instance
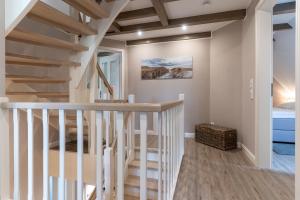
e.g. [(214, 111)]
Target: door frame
[(263, 76), (297, 173), (123, 66)]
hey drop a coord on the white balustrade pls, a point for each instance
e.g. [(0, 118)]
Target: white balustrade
[(110, 160)]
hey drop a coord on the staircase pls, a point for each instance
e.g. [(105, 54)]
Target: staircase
[(82, 31), (132, 183)]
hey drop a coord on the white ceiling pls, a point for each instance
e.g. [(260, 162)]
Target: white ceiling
[(171, 31), (180, 9)]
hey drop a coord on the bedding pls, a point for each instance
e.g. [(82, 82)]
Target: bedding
[(283, 125)]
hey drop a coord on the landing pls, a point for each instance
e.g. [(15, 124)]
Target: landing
[(208, 173)]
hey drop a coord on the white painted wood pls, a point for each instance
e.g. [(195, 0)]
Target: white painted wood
[(61, 181), (109, 167), (131, 129), (159, 132), (45, 154), (168, 155), (181, 122), (99, 153), (143, 156), (297, 173), (3, 84), (30, 123), (93, 42), (16, 125), (164, 134), (79, 154), (264, 77), (120, 156)]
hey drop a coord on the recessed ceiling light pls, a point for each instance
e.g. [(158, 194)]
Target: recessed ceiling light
[(140, 33), (206, 2), (184, 27)]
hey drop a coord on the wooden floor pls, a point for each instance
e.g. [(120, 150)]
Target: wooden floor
[(283, 163), (211, 174)]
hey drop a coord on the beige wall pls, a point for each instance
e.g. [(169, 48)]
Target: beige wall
[(248, 72), (225, 76), (196, 90)]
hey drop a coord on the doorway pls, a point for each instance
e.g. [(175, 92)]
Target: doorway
[(111, 65), (283, 105)]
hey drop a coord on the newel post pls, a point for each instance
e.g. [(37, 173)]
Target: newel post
[(181, 129), (131, 126), (4, 123)]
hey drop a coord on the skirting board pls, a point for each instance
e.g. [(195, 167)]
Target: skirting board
[(249, 154), (189, 135)]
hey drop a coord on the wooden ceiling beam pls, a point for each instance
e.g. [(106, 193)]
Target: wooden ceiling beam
[(170, 38), (136, 14), (281, 27), (161, 12), (284, 8), (174, 23), (115, 27)]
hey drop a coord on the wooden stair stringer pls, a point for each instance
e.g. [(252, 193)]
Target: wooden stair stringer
[(94, 41)]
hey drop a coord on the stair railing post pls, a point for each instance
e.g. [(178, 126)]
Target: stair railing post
[(4, 153), (131, 129), (181, 129)]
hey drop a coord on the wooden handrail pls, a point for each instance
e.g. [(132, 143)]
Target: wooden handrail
[(111, 101), (102, 76), (122, 107)]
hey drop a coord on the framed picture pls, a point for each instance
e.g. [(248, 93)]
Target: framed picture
[(167, 68)]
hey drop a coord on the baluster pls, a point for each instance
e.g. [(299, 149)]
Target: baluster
[(172, 146), (131, 132), (181, 119), (121, 157), (61, 184), (16, 119), (168, 154), (99, 153), (164, 133), (79, 154), (45, 154), (159, 133), (30, 122), (143, 156)]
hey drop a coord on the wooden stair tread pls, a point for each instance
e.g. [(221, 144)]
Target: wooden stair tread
[(51, 16), (43, 40), (129, 197), (152, 150), (150, 164), (74, 125), (36, 80), (35, 61), (42, 94), (88, 7), (134, 181)]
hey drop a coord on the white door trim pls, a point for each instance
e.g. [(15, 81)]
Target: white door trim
[(123, 70), (297, 173), (263, 75)]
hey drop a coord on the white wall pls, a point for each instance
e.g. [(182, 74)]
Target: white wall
[(196, 90), (2, 49), (225, 76), (248, 73)]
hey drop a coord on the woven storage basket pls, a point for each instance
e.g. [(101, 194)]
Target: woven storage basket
[(216, 136)]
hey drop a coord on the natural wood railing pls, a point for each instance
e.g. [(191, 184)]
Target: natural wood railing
[(169, 131)]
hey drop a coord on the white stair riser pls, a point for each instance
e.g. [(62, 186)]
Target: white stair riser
[(151, 173), (151, 156)]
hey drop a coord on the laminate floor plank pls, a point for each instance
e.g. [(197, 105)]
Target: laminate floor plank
[(211, 174)]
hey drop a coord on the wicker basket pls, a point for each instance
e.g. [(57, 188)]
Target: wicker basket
[(216, 136)]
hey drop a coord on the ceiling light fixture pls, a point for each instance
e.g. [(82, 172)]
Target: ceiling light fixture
[(206, 2), (184, 27), (140, 33)]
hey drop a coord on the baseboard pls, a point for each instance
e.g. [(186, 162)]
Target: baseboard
[(248, 153), (189, 135)]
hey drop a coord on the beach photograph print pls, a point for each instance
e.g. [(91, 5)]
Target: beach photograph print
[(167, 68)]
